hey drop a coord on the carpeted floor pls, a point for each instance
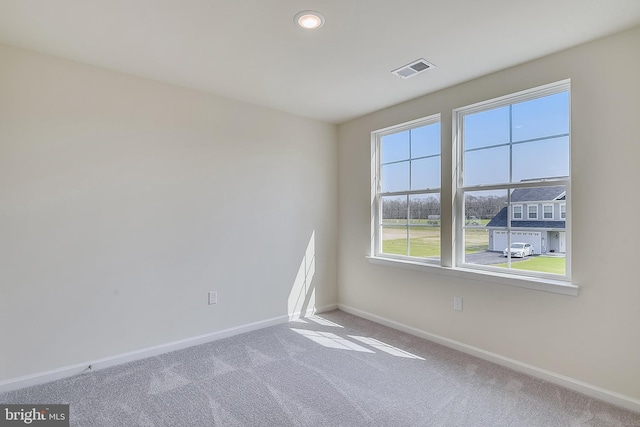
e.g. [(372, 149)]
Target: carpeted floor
[(334, 369)]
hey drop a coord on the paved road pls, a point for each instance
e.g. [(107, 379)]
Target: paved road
[(489, 257)]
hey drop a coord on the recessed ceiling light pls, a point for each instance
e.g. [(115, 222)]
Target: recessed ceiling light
[(309, 20)]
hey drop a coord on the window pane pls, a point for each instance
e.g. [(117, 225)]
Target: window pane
[(486, 128), (488, 166), (541, 117), (482, 209), (394, 225), (395, 177), (476, 247), (425, 209), (394, 147), (394, 240), (541, 159), (548, 251), (425, 173), (517, 211), (425, 141), (424, 230), (394, 210), (546, 237)]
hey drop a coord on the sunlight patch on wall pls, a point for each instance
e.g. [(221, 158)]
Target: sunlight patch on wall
[(302, 296)]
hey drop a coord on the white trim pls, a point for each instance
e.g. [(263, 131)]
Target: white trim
[(545, 205), (412, 124), (107, 362), (534, 371), (475, 272), (522, 96), (513, 213), (376, 173), (459, 188), (529, 212)]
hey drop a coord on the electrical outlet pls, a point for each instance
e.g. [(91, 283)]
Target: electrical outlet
[(213, 297), (457, 303)]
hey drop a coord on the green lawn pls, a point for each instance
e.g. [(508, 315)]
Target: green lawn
[(476, 240), (544, 264), (420, 247), (425, 241)]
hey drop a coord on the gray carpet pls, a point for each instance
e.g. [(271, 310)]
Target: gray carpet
[(334, 369)]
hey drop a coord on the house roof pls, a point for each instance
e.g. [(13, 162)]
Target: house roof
[(500, 220), (538, 194)]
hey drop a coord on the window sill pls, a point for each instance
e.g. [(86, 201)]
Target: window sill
[(539, 284)]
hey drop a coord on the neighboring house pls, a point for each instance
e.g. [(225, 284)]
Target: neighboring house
[(537, 217)]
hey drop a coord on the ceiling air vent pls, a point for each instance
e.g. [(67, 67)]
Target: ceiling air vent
[(410, 70)]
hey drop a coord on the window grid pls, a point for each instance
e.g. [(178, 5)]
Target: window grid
[(461, 221), (547, 211), (408, 194), (459, 256), (517, 211)]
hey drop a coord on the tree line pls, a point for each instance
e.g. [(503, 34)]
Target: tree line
[(428, 207)]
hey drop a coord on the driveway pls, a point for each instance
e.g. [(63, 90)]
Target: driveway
[(489, 258)]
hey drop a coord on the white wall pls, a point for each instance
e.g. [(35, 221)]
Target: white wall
[(123, 201), (592, 338)]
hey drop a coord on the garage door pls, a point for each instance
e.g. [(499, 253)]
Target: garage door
[(532, 237)]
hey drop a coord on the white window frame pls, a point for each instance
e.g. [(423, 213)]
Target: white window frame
[(533, 211), (521, 218), (376, 205), (547, 205), (452, 216), (459, 189), (563, 211)]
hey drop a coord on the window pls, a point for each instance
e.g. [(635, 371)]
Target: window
[(407, 195), (512, 151), (517, 211), (508, 170)]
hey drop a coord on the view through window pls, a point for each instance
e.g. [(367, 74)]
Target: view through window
[(510, 185), (408, 195), (513, 177)]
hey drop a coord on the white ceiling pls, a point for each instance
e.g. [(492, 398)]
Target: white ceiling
[(251, 50)]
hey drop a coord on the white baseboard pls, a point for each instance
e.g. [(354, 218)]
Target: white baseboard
[(106, 362), (323, 309), (552, 377)]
